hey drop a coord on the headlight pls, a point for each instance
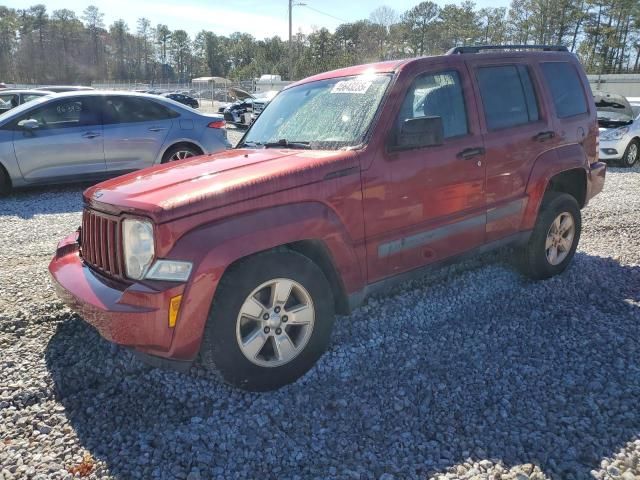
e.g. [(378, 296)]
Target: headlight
[(171, 270), (616, 134), (137, 239)]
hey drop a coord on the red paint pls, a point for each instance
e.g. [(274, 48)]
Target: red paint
[(213, 210)]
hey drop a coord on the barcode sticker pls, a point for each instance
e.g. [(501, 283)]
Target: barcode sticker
[(352, 86)]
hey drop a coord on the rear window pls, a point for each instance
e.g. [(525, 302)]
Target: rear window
[(566, 88), (134, 109), (507, 95)]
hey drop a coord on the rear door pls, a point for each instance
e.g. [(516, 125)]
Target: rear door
[(427, 204), (68, 142), (575, 119), (135, 129), (516, 129)]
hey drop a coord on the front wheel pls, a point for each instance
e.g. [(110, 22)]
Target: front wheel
[(270, 321), (554, 239), (631, 154)]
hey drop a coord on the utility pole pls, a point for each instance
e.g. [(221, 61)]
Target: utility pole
[(292, 3), (290, 40)]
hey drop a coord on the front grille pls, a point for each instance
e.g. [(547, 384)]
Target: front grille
[(100, 244)]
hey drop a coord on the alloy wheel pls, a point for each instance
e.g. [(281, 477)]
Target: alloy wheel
[(275, 322), (181, 155), (632, 154), (560, 238)]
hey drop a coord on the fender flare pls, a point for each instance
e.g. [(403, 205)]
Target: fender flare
[(236, 238), (547, 165)]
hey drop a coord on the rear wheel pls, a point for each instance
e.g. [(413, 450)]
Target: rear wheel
[(554, 239), (270, 321), (631, 154), (180, 152)]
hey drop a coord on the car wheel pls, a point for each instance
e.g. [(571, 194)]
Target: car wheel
[(180, 152), (631, 153), (554, 239), (270, 321)]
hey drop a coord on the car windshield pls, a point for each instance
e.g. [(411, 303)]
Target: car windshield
[(326, 114)]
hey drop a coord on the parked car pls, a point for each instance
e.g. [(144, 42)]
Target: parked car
[(182, 98), (247, 107), (12, 98), (619, 125), (64, 88), (349, 182), (88, 135)]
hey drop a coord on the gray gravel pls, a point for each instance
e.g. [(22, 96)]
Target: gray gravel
[(471, 373)]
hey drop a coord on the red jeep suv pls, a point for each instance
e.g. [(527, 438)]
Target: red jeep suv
[(348, 182)]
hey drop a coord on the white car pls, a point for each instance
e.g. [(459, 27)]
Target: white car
[(619, 122)]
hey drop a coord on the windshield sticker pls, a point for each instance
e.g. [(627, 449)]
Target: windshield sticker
[(352, 86)]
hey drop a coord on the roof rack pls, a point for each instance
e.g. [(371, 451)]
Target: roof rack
[(478, 48)]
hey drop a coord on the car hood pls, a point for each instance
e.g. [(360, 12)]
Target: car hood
[(185, 187)]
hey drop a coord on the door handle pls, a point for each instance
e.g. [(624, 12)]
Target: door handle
[(468, 153), (90, 134), (542, 136), (156, 129)]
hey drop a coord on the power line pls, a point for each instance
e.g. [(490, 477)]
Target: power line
[(325, 13)]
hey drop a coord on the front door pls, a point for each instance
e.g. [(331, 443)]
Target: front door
[(135, 129), (427, 204), (66, 144)]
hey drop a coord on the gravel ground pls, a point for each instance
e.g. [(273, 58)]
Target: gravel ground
[(471, 373)]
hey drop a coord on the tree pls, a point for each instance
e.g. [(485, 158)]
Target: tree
[(94, 21), (383, 18), (420, 27), (180, 45)]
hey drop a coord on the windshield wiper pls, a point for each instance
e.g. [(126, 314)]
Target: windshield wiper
[(283, 142)]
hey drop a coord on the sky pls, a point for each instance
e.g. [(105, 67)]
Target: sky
[(260, 18)]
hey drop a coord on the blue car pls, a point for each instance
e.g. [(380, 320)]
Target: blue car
[(90, 135)]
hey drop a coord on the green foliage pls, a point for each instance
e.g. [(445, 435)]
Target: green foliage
[(38, 47)]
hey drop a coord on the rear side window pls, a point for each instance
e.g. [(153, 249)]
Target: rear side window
[(566, 88), (507, 95), (132, 110), (437, 95)]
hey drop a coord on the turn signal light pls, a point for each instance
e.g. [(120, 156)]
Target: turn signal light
[(174, 308), (217, 124)]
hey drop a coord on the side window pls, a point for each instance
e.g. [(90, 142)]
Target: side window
[(27, 97), (11, 100), (67, 113), (437, 95), (132, 110), (508, 97), (566, 88)]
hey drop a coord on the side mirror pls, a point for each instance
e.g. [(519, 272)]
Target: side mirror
[(419, 132), (29, 124)]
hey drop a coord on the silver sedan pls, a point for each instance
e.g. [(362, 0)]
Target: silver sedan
[(91, 135)]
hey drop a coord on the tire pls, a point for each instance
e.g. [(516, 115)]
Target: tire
[(631, 153), (267, 368), (538, 262), (180, 151), (5, 182)]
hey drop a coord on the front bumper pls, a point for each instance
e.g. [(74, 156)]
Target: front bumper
[(133, 315), (613, 149)]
